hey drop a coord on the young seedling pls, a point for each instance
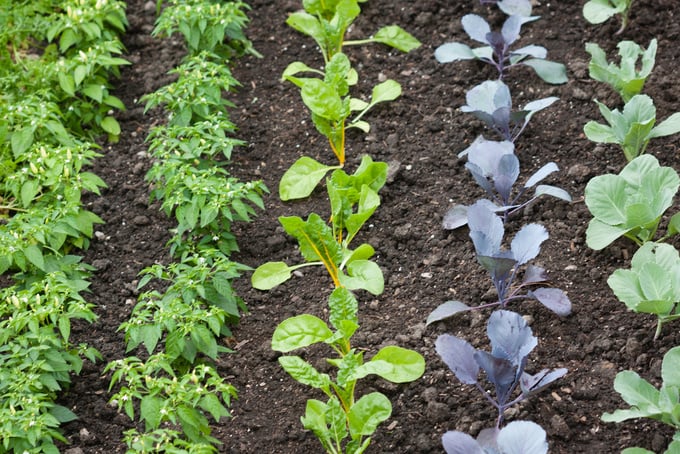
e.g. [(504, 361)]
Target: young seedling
[(326, 22), (511, 342), (486, 231), (331, 105), (520, 8), (646, 401), (631, 203), (633, 128), (495, 168), (625, 78), (652, 284), (496, 51), (342, 416), (523, 437), (491, 102), (599, 11), (353, 199)]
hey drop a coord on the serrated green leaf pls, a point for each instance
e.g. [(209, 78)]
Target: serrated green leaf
[(150, 411)]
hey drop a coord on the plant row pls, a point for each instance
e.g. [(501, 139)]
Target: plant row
[(172, 384), (56, 60), (632, 205), (343, 422)]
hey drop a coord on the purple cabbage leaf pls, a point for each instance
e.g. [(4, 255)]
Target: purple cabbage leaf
[(496, 50), (495, 168), (520, 8), (518, 437), (511, 343), (491, 102), (503, 265)]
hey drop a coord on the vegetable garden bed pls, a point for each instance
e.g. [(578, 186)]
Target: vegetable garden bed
[(419, 135)]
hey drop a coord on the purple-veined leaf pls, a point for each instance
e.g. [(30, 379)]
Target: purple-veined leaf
[(526, 244), (479, 176), (534, 274), (533, 383), (511, 338), (487, 97), (500, 268), (487, 153), (499, 371), (446, 310), (545, 189), (511, 29), (541, 173), (476, 27), (455, 217), (449, 52), (486, 229), (455, 442), (516, 7), (554, 299), (459, 356), (522, 437)]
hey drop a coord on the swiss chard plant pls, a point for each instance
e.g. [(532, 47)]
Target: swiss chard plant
[(487, 231), (599, 11), (496, 50), (646, 401), (633, 127), (631, 203), (511, 343), (343, 424), (652, 284), (491, 102), (331, 105), (495, 168), (523, 437), (327, 21), (354, 198), (626, 78)]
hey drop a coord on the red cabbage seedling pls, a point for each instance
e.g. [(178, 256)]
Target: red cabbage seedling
[(496, 51), (513, 8), (486, 231), (523, 437), (490, 101), (495, 168), (511, 342)]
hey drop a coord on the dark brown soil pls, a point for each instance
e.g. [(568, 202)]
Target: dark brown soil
[(424, 265)]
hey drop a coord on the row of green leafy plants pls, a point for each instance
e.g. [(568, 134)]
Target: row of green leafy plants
[(170, 380), (495, 167), (632, 204), (344, 422), (56, 62)]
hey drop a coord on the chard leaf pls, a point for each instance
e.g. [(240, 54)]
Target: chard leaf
[(459, 356), (298, 332), (323, 99), (365, 275), (315, 420), (446, 310), (397, 37), (460, 443), (448, 52), (315, 239), (367, 413), (304, 372), (554, 299), (476, 28), (522, 437), (388, 90), (270, 274), (302, 178), (511, 338), (343, 307), (394, 364), (526, 244)]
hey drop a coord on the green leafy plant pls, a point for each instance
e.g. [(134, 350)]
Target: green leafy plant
[(342, 415), (625, 78), (646, 401), (353, 199), (331, 105), (631, 203), (327, 21), (632, 128), (652, 284), (599, 11)]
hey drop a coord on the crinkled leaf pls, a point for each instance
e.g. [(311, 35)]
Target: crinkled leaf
[(365, 275), (304, 372), (459, 356), (298, 332), (343, 306), (315, 239)]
